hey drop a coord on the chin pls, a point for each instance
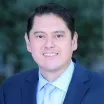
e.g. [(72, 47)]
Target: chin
[(51, 68)]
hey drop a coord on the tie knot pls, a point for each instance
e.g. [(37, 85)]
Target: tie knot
[(49, 88)]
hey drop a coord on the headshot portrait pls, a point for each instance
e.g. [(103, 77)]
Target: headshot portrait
[(51, 39)]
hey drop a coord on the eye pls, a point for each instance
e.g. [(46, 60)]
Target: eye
[(40, 36), (59, 36)]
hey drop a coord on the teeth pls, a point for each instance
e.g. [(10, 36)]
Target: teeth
[(51, 54)]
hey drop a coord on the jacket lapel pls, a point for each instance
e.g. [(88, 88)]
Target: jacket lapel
[(29, 88), (78, 86)]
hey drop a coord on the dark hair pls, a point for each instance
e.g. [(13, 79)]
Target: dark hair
[(56, 9)]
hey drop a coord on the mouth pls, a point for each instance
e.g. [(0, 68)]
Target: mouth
[(50, 54)]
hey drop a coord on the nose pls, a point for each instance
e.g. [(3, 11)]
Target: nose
[(49, 43)]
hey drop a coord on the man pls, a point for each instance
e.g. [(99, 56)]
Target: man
[(51, 40)]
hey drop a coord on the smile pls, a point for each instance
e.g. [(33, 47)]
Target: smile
[(50, 54)]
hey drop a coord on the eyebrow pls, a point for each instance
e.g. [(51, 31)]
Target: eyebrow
[(58, 31), (36, 32)]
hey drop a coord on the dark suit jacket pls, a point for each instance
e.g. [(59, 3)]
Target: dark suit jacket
[(85, 88)]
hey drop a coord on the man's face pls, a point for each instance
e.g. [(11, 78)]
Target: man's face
[(50, 43)]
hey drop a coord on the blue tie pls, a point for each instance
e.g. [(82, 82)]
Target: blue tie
[(48, 89)]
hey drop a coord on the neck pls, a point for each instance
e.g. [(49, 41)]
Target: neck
[(52, 75)]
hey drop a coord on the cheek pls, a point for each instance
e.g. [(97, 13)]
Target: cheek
[(66, 50), (36, 49), (66, 54), (66, 46)]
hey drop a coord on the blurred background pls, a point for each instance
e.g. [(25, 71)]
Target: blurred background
[(89, 22)]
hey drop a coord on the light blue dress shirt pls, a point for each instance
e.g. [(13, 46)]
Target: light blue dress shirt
[(61, 84)]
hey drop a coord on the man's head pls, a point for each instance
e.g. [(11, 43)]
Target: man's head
[(49, 38), (54, 9)]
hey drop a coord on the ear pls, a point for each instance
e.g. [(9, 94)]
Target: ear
[(75, 41), (28, 46)]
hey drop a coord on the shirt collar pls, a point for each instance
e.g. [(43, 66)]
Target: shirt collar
[(42, 82), (64, 77), (64, 80)]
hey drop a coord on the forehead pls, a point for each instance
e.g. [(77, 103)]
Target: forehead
[(49, 21), (48, 16)]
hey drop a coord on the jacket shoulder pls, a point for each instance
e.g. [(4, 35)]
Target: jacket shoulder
[(97, 78), (18, 78)]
